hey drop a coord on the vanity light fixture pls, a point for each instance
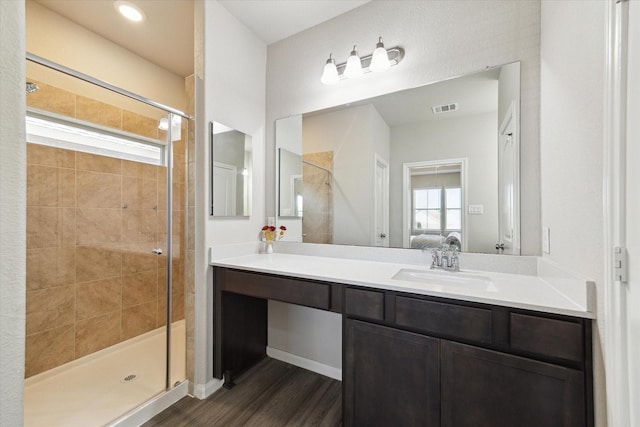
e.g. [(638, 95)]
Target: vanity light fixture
[(129, 11), (353, 69), (381, 59)]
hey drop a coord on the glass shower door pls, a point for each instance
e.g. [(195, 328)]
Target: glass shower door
[(105, 192)]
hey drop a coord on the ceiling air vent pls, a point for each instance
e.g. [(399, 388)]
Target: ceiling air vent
[(445, 108)]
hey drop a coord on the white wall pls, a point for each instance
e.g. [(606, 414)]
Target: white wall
[(234, 62), (13, 171), (354, 135), (472, 137), (58, 39), (289, 136), (572, 58), (441, 40)]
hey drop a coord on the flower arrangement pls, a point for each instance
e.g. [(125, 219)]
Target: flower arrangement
[(271, 233)]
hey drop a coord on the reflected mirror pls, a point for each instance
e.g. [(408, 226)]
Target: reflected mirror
[(290, 184), (231, 166), (413, 169)]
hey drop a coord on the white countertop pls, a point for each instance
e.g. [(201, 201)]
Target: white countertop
[(511, 290)]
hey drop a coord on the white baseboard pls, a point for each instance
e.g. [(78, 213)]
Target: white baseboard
[(302, 362), (202, 391), (145, 412)]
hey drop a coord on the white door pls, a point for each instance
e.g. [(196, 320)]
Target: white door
[(381, 200), (224, 189), (508, 178), (633, 213)]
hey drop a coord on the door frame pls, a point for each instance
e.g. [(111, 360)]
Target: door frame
[(510, 119), (614, 201), (407, 196), (379, 161)]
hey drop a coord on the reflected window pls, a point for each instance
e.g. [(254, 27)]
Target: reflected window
[(437, 210)]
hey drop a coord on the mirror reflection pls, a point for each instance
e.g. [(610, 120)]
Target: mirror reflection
[(419, 168), (231, 160), (290, 184)]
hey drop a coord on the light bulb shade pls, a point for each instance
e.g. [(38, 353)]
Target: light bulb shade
[(379, 60), (354, 65), (330, 73)]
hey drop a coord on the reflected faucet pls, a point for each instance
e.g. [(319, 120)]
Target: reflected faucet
[(445, 258)]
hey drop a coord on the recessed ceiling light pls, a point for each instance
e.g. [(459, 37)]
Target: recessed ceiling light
[(129, 11)]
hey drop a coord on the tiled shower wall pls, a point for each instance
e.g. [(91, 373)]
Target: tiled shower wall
[(91, 224), (317, 193)]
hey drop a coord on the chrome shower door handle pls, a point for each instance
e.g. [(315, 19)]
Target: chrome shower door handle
[(157, 251)]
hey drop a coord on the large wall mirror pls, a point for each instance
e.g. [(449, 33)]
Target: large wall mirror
[(437, 164), (231, 167)]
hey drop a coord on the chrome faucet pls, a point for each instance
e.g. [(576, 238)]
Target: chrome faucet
[(445, 258)]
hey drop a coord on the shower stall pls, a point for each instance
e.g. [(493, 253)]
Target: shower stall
[(106, 245)]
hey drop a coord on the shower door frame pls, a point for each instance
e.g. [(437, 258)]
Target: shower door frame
[(168, 153)]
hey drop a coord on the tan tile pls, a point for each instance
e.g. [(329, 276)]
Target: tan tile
[(177, 307), (97, 333), (177, 276), (191, 141), (137, 257), (98, 190), (179, 167), (139, 193), (50, 186), (50, 227), (98, 226), (96, 163), (189, 315), (189, 274), (179, 146), (191, 229), (98, 262), (138, 319), (139, 225), (190, 359), (50, 268), (98, 297), (50, 156), (139, 124), (98, 112), (53, 99), (50, 308), (139, 170), (139, 288), (177, 222), (48, 349), (191, 184)]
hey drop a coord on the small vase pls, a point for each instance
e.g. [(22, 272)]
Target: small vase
[(269, 249)]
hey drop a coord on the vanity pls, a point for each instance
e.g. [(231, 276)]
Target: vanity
[(421, 348)]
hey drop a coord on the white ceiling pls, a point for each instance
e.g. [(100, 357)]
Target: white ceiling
[(475, 93), (166, 36), (274, 20)]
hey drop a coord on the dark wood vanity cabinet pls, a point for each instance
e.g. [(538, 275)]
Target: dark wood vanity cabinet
[(413, 360), (433, 362), (390, 377)]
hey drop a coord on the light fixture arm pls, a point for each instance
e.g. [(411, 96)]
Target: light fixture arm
[(395, 56)]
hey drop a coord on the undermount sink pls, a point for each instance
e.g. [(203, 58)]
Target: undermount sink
[(445, 278)]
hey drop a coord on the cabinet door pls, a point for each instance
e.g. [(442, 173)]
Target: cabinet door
[(390, 377), (486, 388)]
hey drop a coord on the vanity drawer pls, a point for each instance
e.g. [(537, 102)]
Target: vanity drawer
[(439, 318), (364, 303), (548, 337), (285, 289)]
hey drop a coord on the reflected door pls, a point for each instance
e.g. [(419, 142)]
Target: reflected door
[(508, 237), (381, 212)]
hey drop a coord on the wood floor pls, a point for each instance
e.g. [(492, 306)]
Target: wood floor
[(272, 393)]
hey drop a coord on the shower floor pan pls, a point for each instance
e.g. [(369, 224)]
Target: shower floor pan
[(98, 388)]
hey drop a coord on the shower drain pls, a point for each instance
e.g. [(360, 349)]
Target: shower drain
[(129, 378)]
